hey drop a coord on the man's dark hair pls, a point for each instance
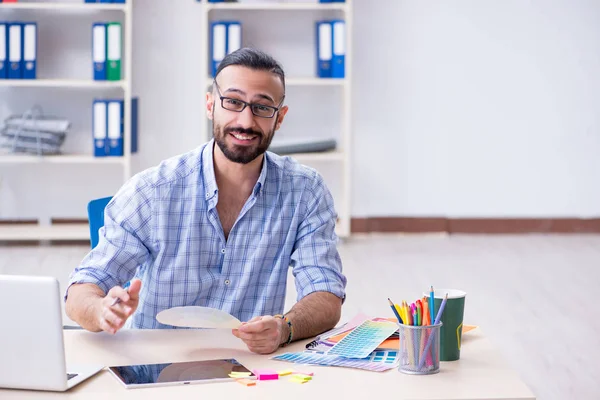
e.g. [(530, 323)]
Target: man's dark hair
[(253, 59)]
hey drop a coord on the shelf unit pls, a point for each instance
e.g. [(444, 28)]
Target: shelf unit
[(65, 6), (342, 156), (72, 231), (63, 83)]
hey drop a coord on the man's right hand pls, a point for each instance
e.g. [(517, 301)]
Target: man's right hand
[(111, 317)]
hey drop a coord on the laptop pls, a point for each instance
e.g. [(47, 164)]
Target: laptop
[(32, 354)]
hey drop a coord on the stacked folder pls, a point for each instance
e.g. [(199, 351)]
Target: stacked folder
[(107, 51), (18, 50), (226, 37), (108, 127), (331, 48), (41, 135)]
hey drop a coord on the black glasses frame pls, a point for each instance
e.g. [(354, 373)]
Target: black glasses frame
[(246, 104)]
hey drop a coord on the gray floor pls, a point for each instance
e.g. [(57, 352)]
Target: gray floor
[(532, 295)]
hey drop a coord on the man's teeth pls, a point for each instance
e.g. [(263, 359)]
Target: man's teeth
[(242, 137)]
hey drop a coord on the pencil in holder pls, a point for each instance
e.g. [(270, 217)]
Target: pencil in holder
[(419, 349)]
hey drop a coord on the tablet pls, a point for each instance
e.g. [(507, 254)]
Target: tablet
[(181, 373)]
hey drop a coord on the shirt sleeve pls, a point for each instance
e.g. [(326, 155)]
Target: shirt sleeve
[(316, 263), (124, 240)]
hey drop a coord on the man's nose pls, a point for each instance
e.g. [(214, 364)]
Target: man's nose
[(246, 118)]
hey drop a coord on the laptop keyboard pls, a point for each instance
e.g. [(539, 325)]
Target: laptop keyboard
[(71, 376)]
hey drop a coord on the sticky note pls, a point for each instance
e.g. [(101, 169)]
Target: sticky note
[(297, 380), (239, 374), (266, 374), (246, 382), (305, 373), (286, 372), (303, 377)]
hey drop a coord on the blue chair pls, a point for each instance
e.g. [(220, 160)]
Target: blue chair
[(96, 217)]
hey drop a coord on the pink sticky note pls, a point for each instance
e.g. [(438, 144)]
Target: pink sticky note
[(266, 374)]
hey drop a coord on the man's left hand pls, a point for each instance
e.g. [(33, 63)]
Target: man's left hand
[(262, 335)]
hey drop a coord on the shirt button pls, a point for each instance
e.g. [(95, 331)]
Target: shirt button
[(223, 251), (227, 282)]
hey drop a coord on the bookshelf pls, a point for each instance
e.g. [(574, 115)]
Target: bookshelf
[(305, 80), (45, 229)]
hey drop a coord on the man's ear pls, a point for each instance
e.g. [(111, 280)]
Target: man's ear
[(281, 116), (210, 104)]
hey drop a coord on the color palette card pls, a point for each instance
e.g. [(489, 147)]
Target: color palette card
[(363, 339), (374, 362)]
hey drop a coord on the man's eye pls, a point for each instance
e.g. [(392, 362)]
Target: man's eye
[(234, 102)]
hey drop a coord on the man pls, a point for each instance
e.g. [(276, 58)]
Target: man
[(219, 227)]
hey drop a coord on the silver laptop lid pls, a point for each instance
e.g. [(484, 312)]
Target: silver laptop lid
[(31, 338)]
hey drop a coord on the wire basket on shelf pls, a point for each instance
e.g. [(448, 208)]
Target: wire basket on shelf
[(33, 133)]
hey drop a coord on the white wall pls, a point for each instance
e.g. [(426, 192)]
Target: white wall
[(478, 108)]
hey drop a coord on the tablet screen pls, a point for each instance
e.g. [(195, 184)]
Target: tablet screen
[(172, 373)]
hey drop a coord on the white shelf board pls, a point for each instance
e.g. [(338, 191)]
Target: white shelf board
[(320, 156), (315, 81), (304, 81), (64, 83), (64, 6), (22, 232), (58, 159), (276, 6)]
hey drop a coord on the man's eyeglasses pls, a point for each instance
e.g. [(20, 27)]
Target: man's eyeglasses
[(237, 105)]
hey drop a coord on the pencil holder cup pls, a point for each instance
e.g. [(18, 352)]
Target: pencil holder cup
[(419, 349)]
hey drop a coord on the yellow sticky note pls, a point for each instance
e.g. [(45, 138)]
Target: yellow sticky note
[(234, 374), (297, 380), (303, 377), (286, 372)]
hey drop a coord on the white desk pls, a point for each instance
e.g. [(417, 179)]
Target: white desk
[(480, 374)]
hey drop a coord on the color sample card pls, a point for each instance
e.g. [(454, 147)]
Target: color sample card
[(363, 339), (336, 361)]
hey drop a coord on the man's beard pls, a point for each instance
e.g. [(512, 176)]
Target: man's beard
[(242, 154)]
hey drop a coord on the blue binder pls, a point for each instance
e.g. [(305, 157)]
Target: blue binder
[(324, 48), (29, 56), (99, 51), (218, 44), (15, 50), (134, 125), (3, 50), (114, 125), (338, 59), (234, 36), (100, 127)]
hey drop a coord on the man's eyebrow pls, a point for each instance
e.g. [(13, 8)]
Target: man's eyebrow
[(261, 95)]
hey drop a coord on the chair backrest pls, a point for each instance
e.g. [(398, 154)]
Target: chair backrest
[(96, 217)]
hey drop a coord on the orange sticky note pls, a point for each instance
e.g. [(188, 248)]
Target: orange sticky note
[(246, 382)]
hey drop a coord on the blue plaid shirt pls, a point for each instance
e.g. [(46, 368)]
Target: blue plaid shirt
[(163, 228)]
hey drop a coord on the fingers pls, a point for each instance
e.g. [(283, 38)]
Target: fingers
[(134, 289), (258, 324), (260, 334), (118, 293), (267, 334), (111, 321)]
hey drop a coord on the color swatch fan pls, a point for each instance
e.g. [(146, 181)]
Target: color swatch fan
[(363, 339), (197, 317)]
